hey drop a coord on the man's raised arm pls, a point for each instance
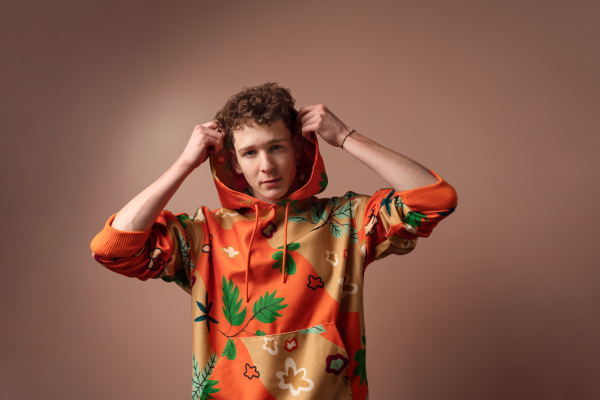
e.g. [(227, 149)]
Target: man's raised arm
[(399, 171), (141, 212)]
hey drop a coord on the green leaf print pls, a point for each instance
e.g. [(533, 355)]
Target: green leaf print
[(361, 367), (414, 219), (230, 350), (232, 303), (324, 181), (291, 246), (209, 389), (182, 218), (290, 264), (266, 307), (345, 211), (199, 380), (314, 329), (260, 333), (317, 212), (335, 229), (297, 219)]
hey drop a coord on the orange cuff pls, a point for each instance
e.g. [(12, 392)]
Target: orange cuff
[(437, 196), (113, 243)]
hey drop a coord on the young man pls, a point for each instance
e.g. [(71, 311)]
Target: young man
[(275, 274)]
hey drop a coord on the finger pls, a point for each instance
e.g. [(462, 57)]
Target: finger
[(304, 110)]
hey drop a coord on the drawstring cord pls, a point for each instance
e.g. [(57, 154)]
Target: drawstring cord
[(287, 207), (250, 247), (285, 224)]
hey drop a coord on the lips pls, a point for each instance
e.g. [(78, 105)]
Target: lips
[(271, 182)]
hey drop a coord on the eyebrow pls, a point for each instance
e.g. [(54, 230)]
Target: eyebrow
[(267, 143)]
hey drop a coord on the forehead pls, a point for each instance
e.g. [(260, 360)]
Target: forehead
[(257, 135)]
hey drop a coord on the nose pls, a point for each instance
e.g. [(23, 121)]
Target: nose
[(266, 164)]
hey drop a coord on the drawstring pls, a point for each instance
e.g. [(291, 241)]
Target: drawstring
[(287, 207), (250, 247), (285, 224)]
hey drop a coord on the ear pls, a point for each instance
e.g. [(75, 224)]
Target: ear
[(234, 161)]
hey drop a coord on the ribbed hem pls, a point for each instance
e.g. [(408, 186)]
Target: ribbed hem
[(112, 243), (437, 196)]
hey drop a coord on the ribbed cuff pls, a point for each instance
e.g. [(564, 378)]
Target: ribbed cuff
[(437, 196), (113, 243)]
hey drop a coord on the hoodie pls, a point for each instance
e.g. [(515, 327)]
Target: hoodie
[(277, 289)]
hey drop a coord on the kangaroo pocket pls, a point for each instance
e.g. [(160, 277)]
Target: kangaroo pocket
[(306, 364)]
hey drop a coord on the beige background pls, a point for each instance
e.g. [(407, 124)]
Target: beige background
[(501, 99)]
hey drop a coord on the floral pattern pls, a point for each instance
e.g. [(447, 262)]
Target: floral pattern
[(294, 378)]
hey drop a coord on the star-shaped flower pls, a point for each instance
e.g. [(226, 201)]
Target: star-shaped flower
[(206, 310), (251, 372), (315, 282)]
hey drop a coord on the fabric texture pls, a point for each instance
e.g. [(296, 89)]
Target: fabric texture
[(268, 321)]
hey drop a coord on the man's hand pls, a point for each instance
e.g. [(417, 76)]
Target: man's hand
[(204, 140), (321, 120)]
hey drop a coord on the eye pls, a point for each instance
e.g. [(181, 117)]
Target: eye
[(276, 147), (250, 153)]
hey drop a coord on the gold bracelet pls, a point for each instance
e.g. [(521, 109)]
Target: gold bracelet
[(342, 145)]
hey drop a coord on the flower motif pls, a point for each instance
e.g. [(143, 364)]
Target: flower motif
[(269, 230), (155, 261), (315, 282), (271, 346), (199, 216), (335, 364), (221, 159), (294, 379), (350, 288), (230, 251), (345, 253), (332, 258), (251, 372), (291, 344)]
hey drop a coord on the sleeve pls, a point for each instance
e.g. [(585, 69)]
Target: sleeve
[(390, 222), (168, 250)]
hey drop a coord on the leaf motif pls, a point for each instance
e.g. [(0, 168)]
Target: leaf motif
[(324, 181), (199, 380), (291, 246), (230, 350), (414, 219), (266, 307), (317, 212), (209, 389), (182, 218), (196, 378), (361, 367), (260, 333), (290, 264), (345, 211), (314, 329), (297, 219), (335, 229), (232, 303)]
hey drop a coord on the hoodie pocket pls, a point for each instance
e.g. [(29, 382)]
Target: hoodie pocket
[(305, 364)]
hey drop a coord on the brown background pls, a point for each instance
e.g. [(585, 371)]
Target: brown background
[(501, 99)]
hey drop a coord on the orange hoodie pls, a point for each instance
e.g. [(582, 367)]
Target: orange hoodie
[(273, 321)]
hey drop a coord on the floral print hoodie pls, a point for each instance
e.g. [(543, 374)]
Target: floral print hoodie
[(277, 289)]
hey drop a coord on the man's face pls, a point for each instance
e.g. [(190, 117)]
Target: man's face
[(266, 155)]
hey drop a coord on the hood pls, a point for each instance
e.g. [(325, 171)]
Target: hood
[(234, 194), (233, 187)]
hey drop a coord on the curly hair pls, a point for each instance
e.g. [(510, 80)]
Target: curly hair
[(262, 105)]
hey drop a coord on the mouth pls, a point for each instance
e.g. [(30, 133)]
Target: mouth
[(271, 182)]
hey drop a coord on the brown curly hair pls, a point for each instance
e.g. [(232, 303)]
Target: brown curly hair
[(262, 105)]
